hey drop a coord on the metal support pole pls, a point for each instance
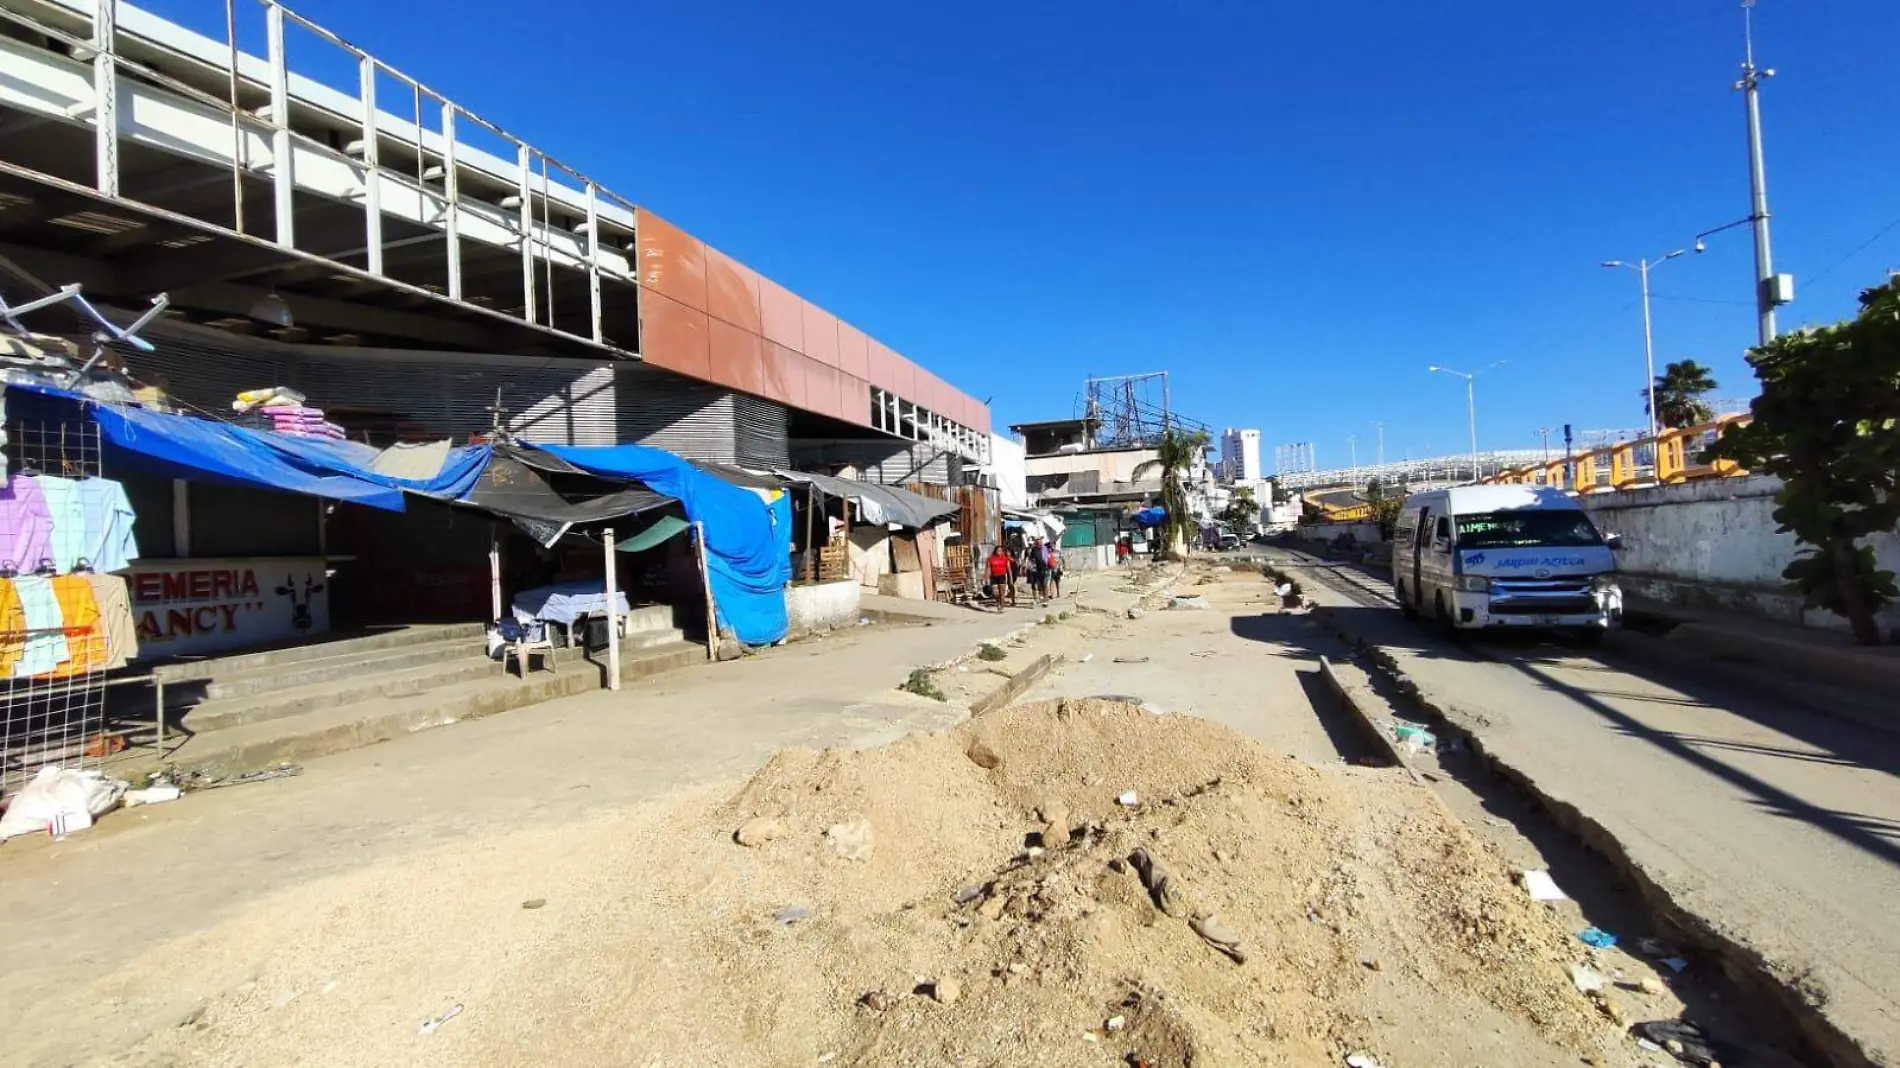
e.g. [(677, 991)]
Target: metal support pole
[(452, 212), (1649, 349), (613, 614), (283, 201), (524, 157), (705, 582), (372, 174), (1471, 410), (494, 576), (593, 260), (1758, 191), (105, 92)]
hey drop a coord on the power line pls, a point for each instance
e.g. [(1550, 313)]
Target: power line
[(1858, 249)]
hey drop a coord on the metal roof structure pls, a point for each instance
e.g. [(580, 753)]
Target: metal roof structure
[(138, 157)]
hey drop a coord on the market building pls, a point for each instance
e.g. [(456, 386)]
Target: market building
[(414, 275)]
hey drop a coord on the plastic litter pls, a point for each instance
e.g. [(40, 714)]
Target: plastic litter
[(1676, 964), (152, 795), (60, 800), (791, 914), (1189, 603), (1597, 938), (1129, 800), (1586, 979), (1415, 738), (1086, 657), (1542, 887), (1687, 1041), (434, 1024), (1361, 1060)]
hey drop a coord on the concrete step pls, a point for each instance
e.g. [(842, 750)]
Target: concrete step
[(257, 744), (359, 645), (337, 692), (291, 675)]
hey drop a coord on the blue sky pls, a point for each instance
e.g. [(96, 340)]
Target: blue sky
[(1292, 208)]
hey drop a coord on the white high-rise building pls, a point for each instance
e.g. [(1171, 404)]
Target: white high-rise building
[(1240, 456)]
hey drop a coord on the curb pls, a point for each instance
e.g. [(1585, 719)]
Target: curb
[(1379, 739), (1803, 1014)]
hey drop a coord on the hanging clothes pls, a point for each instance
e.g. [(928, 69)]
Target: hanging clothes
[(68, 538), (79, 613), (45, 627), (12, 628), (108, 543), (26, 527), (121, 631)]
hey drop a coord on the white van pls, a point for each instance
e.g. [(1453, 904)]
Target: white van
[(1471, 557)]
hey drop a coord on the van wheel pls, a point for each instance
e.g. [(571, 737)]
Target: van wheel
[(1406, 607), (1442, 616)]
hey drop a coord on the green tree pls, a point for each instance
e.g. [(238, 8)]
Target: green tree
[(1679, 392), (1242, 511), (1386, 502), (1174, 458), (1827, 424)]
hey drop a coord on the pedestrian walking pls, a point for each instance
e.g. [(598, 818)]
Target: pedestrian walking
[(1121, 552), (999, 571), (1055, 570), (1038, 570)]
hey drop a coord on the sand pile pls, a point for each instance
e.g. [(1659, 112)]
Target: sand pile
[(963, 898)]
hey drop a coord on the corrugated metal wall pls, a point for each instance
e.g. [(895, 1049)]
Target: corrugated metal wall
[(416, 396), (889, 461)]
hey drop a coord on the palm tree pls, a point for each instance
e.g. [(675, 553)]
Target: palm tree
[(1174, 457), (1679, 392)]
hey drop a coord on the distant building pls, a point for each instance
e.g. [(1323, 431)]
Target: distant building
[(1240, 456)]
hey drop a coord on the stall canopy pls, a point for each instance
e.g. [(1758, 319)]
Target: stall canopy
[(1151, 517), (879, 504), (1044, 524), (180, 446), (748, 539)]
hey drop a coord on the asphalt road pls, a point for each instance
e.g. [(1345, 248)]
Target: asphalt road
[(1775, 824)]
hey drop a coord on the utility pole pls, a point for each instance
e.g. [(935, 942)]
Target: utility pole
[(1544, 432), (1352, 446), (1380, 426), (1767, 294)]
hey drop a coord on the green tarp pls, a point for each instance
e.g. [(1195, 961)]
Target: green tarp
[(663, 528)]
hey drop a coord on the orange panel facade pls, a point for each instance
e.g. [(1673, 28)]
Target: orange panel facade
[(672, 262), (710, 317), (732, 292), (674, 336)]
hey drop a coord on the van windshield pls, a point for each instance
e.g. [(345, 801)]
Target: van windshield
[(1526, 528)]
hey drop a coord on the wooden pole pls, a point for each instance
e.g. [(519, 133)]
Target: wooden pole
[(613, 613), (494, 575), (705, 582), (811, 529)]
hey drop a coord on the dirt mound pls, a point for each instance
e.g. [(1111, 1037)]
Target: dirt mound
[(970, 929)]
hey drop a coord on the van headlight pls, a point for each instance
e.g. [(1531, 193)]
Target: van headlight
[(1475, 584), (1603, 583)]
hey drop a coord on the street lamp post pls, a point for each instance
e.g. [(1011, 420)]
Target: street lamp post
[(1471, 405), (1641, 267)]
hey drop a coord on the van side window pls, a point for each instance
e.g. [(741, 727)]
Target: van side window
[(1443, 532), (1424, 526)]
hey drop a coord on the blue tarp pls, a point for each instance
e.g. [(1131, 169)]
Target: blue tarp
[(1151, 517), (748, 541), (186, 447)]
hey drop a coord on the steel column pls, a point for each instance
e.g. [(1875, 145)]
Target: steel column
[(593, 258), (452, 213), (525, 157), (105, 91), (283, 202), (372, 172)]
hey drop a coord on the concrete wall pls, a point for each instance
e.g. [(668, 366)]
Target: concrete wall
[(822, 607), (1366, 534), (1008, 463), (908, 584), (1116, 466), (1713, 545), (1088, 557)]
